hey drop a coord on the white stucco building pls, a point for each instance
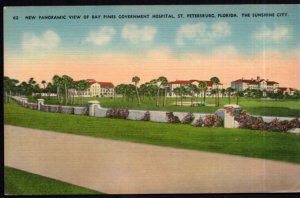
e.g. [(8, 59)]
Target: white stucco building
[(255, 84), (99, 89)]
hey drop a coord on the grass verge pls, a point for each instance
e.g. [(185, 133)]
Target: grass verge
[(18, 182), (250, 143)]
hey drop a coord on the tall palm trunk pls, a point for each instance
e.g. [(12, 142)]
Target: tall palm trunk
[(204, 97), (66, 94), (165, 97), (137, 94), (157, 97), (181, 99)]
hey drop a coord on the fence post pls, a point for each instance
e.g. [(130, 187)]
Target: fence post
[(24, 101), (229, 121), (92, 105), (40, 103)]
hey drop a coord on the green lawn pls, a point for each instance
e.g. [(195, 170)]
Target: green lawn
[(18, 182), (260, 144), (284, 107)]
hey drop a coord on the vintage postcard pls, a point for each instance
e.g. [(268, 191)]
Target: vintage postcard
[(151, 99)]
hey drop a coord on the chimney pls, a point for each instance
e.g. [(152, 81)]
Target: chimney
[(258, 78)]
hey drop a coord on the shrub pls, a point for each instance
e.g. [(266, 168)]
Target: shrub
[(172, 118), (209, 121), (212, 121), (198, 123), (86, 111), (117, 113), (188, 119), (146, 116), (250, 122)]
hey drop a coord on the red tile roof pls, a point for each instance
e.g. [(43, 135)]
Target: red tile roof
[(106, 84), (255, 82), (271, 82), (185, 82), (180, 82), (285, 88)]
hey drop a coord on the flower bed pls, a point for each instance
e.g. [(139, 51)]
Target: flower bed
[(247, 121), (188, 119), (172, 118), (209, 121)]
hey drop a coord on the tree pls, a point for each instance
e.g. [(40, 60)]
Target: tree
[(9, 86), (223, 92), (192, 89), (136, 80), (176, 92), (58, 83), (32, 86), (67, 83), (81, 87), (203, 87), (216, 80), (162, 82), (44, 83), (183, 91), (49, 89), (229, 90)]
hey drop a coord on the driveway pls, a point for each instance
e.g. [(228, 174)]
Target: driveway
[(120, 167)]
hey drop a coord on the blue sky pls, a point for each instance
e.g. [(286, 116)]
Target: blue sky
[(72, 33), (179, 48)]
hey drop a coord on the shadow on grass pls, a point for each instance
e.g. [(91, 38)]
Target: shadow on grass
[(274, 111)]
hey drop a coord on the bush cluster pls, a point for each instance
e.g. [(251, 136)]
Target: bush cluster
[(209, 121), (188, 119), (172, 118), (146, 116), (247, 121), (117, 113)]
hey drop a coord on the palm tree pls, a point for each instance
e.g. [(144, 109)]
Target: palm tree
[(67, 82), (215, 80), (182, 91), (31, 85), (44, 83), (229, 90), (192, 89), (164, 83), (81, 87), (136, 80), (202, 86), (176, 92), (58, 83)]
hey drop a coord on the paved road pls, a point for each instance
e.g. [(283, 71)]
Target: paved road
[(121, 167)]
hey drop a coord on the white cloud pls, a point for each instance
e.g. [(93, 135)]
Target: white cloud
[(101, 36), (48, 40), (135, 34), (202, 33), (276, 34)]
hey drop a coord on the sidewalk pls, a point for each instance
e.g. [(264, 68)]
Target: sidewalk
[(119, 167)]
